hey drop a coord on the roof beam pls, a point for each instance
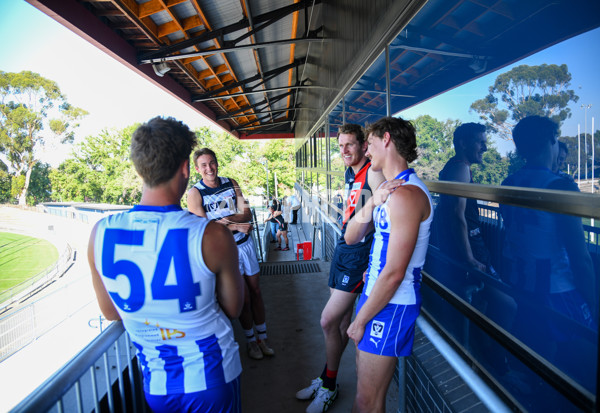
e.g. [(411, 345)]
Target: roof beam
[(265, 126), (220, 33), (253, 92), (210, 52), (261, 103), (264, 113), (267, 75)]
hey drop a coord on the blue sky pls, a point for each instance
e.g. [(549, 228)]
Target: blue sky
[(115, 97), (579, 53)]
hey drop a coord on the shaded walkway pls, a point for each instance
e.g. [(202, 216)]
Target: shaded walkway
[(294, 304)]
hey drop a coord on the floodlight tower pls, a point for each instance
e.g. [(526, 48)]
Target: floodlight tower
[(585, 109)]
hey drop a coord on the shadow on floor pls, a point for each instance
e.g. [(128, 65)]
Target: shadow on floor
[(293, 306)]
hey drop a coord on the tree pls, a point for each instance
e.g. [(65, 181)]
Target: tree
[(434, 140), (245, 161), (99, 171), (33, 114), (40, 187), (5, 183), (524, 91), (492, 170)]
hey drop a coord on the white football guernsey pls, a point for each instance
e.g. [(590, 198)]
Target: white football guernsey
[(150, 260), (409, 290)]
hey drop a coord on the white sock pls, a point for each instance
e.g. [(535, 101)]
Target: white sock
[(261, 329), (250, 337)]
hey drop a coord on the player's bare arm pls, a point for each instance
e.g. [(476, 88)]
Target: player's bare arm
[(104, 302), (221, 257), (194, 200), (408, 207)]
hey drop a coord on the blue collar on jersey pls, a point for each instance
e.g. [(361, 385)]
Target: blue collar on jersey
[(405, 174), (166, 208)]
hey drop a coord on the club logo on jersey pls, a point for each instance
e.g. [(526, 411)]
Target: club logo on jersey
[(377, 328), (354, 194), (345, 280)]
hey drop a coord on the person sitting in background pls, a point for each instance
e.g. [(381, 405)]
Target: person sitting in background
[(272, 225), (281, 228)]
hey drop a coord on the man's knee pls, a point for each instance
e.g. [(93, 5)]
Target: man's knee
[(367, 403), (331, 320)]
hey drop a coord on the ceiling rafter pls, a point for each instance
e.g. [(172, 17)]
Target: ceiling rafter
[(248, 14), (132, 10), (258, 77), (217, 44), (221, 32)]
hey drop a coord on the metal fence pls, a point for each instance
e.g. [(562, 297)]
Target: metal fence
[(105, 376), (34, 320)]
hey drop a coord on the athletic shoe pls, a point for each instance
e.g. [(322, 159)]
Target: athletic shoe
[(309, 392), (264, 347), (278, 248), (285, 249), (254, 351), (323, 399)]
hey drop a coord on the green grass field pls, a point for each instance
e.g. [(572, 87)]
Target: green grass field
[(22, 257)]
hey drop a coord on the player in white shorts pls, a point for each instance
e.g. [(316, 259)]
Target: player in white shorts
[(173, 279), (401, 215), (221, 199)]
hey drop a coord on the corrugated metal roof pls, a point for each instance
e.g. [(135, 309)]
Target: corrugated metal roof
[(277, 68)]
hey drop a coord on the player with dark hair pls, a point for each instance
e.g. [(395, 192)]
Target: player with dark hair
[(173, 278)]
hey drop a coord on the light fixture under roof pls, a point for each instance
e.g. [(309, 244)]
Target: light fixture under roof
[(160, 68)]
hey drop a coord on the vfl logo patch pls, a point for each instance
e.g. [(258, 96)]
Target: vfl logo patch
[(377, 328), (345, 280)]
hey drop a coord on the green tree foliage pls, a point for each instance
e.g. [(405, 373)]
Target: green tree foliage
[(524, 91), (246, 162), (100, 171), (434, 140), (5, 183), (492, 170), (515, 162), (40, 188), (33, 113)]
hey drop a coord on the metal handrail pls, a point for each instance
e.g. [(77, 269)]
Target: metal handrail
[(563, 202), (51, 392)]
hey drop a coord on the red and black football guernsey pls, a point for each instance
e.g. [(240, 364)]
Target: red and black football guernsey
[(357, 193)]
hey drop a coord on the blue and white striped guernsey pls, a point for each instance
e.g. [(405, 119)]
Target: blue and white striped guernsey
[(150, 260), (409, 290)]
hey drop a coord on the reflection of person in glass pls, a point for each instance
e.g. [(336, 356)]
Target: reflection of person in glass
[(546, 257), (456, 225)]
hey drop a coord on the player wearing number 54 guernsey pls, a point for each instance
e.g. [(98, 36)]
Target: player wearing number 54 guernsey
[(174, 280)]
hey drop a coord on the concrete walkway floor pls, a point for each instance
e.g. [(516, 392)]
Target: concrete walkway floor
[(293, 306)]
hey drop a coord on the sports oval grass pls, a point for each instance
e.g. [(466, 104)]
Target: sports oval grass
[(22, 257)]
